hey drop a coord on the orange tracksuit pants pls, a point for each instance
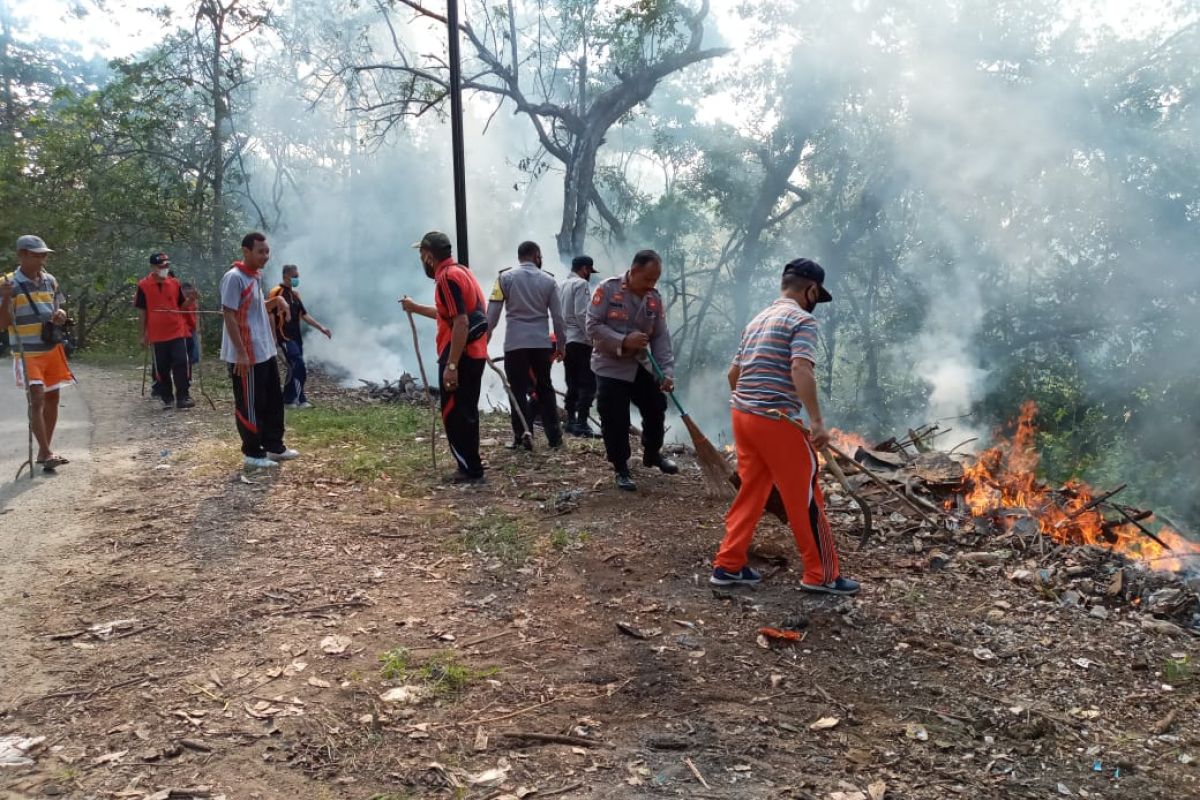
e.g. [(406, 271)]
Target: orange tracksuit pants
[(776, 452)]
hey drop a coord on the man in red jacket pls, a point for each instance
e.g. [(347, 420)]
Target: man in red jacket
[(162, 304), (459, 308)]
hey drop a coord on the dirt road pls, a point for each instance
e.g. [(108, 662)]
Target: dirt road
[(39, 519)]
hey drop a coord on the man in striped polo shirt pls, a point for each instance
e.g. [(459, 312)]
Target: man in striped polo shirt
[(771, 374), (29, 297)]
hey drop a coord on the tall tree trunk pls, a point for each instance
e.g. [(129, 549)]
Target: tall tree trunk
[(829, 326), (872, 387), (220, 119), (578, 185)]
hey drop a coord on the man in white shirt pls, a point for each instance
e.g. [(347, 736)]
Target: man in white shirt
[(248, 348)]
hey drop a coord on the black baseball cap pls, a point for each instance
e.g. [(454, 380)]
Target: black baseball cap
[(158, 259), (807, 268), (581, 262), (434, 240)]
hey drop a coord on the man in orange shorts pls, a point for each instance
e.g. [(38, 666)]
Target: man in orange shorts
[(29, 297), (772, 374)]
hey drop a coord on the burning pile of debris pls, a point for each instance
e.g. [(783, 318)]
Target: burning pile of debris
[(1072, 542), (403, 390)]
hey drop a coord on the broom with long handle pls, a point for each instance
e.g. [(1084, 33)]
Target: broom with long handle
[(432, 402), (718, 475), (713, 465)]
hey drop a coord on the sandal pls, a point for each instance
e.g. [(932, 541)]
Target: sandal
[(52, 463)]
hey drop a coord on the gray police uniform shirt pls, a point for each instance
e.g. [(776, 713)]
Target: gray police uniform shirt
[(530, 299), (574, 297), (615, 312)]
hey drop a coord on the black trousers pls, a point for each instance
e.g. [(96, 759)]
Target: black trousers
[(581, 382), (613, 397), (530, 368), (460, 414), (258, 409), (172, 370)]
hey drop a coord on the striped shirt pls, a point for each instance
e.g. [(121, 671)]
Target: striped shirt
[(780, 334), (28, 319)]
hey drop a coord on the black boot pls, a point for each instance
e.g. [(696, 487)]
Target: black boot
[(625, 480), (665, 464)]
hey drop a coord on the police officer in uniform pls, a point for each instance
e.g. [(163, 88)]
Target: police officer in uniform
[(625, 321), (529, 298)]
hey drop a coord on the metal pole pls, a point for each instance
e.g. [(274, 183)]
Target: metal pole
[(456, 132)]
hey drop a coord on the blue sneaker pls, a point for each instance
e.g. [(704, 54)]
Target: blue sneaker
[(840, 586), (743, 577)]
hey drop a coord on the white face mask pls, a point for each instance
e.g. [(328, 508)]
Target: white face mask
[(165, 272)]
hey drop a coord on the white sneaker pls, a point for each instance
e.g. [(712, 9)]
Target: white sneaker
[(286, 455), (305, 404), (258, 463)]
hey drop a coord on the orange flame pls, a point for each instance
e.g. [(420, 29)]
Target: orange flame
[(847, 442), (1003, 479)]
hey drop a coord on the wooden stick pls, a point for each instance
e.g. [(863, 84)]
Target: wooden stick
[(960, 444), (15, 334), (200, 364), (832, 465), (517, 713), (696, 772), (864, 470), (424, 379), (526, 437), (886, 486), (568, 788), (552, 738), (1121, 510), (482, 639), (1095, 502)]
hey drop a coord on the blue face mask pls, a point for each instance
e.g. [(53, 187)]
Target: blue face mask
[(295, 282)]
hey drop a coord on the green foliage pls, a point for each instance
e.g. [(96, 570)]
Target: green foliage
[(449, 678), (395, 664), (564, 539), (442, 674), (1178, 670), (499, 536)]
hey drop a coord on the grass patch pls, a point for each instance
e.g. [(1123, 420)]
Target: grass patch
[(1177, 670), (395, 664), (563, 539), (115, 359), (363, 444), (443, 674), (498, 536)]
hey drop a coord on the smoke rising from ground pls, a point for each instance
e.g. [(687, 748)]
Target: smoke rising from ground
[(995, 138)]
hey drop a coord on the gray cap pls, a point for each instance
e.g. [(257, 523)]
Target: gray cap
[(33, 244)]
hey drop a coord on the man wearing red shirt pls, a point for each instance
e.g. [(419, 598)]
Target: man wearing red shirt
[(161, 301), (460, 310)]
